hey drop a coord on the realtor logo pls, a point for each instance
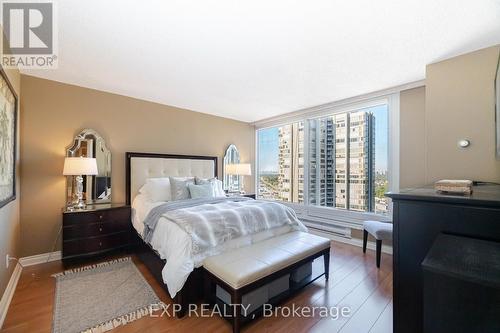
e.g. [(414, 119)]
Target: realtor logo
[(29, 35)]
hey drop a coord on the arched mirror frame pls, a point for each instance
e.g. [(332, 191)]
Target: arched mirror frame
[(232, 156), (101, 183)]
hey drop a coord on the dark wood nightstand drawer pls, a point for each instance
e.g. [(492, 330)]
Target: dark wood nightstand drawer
[(99, 229), (84, 230), (95, 244), (118, 214)]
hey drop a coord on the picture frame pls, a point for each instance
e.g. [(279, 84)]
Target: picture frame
[(8, 139)]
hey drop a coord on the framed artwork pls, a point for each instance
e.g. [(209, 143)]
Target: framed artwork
[(8, 138)]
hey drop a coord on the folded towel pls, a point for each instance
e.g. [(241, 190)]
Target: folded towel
[(458, 186)]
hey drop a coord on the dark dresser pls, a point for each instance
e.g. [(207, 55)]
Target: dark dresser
[(420, 215), (97, 230)]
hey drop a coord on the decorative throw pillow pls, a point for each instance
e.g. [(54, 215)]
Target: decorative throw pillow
[(201, 191), (179, 186), (157, 189), (216, 185)]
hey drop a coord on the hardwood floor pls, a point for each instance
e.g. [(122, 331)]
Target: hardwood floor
[(355, 282)]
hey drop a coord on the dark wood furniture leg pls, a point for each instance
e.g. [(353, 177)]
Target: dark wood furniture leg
[(365, 240), (208, 291), (379, 250), (236, 308), (326, 258)]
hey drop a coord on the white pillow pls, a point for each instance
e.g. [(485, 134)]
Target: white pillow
[(179, 187), (219, 191), (216, 185), (157, 189)]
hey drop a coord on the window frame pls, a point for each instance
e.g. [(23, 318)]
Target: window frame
[(332, 215)]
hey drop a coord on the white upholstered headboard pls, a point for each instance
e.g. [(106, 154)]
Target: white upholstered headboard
[(140, 166)]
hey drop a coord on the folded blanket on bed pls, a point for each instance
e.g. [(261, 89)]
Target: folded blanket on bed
[(211, 222)]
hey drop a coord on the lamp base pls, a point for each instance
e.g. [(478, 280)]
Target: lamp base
[(76, 206), (235, 193), (78, 203)]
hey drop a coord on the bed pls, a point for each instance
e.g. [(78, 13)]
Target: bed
[(167, 252), (139, 167)]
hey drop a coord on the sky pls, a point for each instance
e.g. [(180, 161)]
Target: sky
[(269, 141)]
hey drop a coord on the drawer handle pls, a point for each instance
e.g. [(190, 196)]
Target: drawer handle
[(100, 217), (100, 229), (100, 243)]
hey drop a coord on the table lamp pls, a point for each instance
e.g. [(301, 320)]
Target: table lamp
[(79, 167), (241, 169)]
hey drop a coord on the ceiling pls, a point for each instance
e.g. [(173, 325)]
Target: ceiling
[(254, 59)]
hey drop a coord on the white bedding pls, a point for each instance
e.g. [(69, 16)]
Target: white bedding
[(174, 244)]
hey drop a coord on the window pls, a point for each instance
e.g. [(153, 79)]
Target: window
[(281, 163), (339, 160)]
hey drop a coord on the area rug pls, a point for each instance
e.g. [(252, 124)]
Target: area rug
[(100, 297)]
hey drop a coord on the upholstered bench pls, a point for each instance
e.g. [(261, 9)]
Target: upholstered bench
[(246, 269), (381, 231)]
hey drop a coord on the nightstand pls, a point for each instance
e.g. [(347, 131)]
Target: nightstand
[(97, 230)]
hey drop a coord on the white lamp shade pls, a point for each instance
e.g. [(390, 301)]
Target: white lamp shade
[(242, 169), (77, 166)]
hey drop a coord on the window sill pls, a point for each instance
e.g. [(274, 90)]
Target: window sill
[(335, 217)]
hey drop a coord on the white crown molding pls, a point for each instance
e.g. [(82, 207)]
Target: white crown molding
[(319, 110), (40, 258), (9, 292)]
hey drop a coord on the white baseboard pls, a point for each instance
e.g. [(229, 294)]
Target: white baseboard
[(352, 241), (11, 286), (41, 258), (9, 292)]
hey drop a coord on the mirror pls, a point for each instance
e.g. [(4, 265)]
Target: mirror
[(96, 189), (232, 156)]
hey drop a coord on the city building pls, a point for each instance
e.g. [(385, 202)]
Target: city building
[(341, 161), (291, 163)]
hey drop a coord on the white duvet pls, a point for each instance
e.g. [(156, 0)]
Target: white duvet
[(174, 244)]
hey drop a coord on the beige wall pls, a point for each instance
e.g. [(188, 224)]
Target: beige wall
[(412, 141), (460, 104), (10, 228), (52, 113)]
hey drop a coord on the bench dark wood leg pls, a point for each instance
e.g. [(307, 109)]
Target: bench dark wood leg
[(236, 304), (326, 258), (365, 239), (208, 291), (379, 250)]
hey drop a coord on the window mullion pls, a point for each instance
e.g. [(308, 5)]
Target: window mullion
[(306, 162), (317, 192), (348, 161)]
